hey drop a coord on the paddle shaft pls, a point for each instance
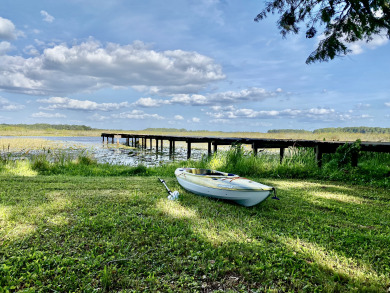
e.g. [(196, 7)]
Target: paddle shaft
[(163, 182)]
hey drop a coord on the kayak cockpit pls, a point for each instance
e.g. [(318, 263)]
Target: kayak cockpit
[(206, 172)]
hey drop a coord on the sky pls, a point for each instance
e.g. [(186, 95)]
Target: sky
[(193, 64)]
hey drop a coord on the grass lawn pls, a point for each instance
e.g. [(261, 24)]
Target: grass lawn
[(85, 234)]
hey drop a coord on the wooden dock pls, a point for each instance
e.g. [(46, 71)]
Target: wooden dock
[(321, 147)]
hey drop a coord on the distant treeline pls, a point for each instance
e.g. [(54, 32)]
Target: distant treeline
[(361, 129), (166, 129), (44, 126), (174, 130), (288, 131)]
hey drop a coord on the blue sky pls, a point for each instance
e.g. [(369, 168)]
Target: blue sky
[(199, 65)]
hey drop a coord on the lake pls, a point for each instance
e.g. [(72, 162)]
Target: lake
[(117, 154)]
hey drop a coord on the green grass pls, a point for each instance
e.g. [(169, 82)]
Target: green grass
[(70, 224), (86, 234)]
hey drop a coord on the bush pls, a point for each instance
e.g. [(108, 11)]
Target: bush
[(40, 163), (86, 160)]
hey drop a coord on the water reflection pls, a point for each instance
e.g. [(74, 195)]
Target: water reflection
[(113, 153), (120, 155)]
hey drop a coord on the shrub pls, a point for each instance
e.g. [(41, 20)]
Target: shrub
[(86, 160)]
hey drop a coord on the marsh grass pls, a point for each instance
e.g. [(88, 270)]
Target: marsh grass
[(87, 234), (24, 144)]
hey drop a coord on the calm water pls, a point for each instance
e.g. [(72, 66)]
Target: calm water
[(118, 155)]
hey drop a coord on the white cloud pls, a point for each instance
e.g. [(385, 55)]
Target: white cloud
[(149, 102), (178, 117), (362, 106), (39, 42), (31, 50), (98, 117), (387, 104), (230, 97), (79, 105), (195, 119), (46, 16), (137, 114), (251, 94), (6, 105), (323, 114), (359, 46), (185, 99), (47, 115), (8, 30), (4, 47), (91, 66)]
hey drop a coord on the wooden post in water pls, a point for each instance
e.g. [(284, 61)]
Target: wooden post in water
[(156, 146), (188, 150), (254, 148), (215, 147), (162, 146), (150, 144), (281, 154), (209, 148), (318, 152)]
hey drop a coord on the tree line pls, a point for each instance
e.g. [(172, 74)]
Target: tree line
[(360, 129), (44, 126), (288, 131)]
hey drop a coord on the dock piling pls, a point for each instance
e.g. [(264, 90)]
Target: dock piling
[(281, 152), (188, 150)]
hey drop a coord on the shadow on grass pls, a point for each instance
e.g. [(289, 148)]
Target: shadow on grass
[(84, 233)]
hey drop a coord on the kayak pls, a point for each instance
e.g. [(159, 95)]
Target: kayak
[(221, 185)]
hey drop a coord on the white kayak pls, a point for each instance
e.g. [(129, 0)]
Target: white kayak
[(223, 185)]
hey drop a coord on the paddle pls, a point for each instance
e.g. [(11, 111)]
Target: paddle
[(172, 195)]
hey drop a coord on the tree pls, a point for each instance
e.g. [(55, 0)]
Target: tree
[(344, 21)]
